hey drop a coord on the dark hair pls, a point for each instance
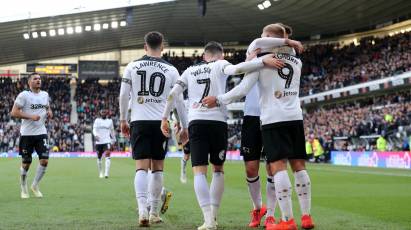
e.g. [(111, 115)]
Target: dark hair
[(288, 29), (213, 47), (32, 74), (154, 39)]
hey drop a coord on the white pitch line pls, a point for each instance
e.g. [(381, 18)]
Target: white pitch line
[(361, 172)]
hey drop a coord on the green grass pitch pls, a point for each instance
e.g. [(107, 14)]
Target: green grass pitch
[(75, 198)]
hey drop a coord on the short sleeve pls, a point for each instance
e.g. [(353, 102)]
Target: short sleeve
[(176, 77), (183, 79), (48, 99), (127, 75), (222, 64), (20, 100)]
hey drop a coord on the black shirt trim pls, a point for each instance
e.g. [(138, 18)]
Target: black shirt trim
[(150, 58)]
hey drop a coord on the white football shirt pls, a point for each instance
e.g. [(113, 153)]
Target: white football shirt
[(251, 105), (151, 80), (202, 80), (279, 91), (33, 104), (266, 44), (207, 79), (104, 130)]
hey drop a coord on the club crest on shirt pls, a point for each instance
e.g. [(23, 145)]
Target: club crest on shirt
[(140, 100), (195, 105), (278, 94)]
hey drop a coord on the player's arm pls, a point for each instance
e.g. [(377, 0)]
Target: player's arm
[(249, 80), (181, 111), (240, 90), (179, 101), (113, 133), (95, 130), (17, 112), (174, 96), (250, 66), (270, 43), (49, 112), (171, 99), (123, 100)]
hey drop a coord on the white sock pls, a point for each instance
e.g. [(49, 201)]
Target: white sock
[(303, 190), (283, 192), (271, 197), (41, 170), (140, 186), (254, 188), (100, 169), (216, 192), (156, 185), (23, 177), (183, 166), (208, 214), (108, 164), (149, 197), (203, 196)]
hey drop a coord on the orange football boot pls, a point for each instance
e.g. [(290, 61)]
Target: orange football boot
[(269, 220), (256, 216), (283, 225), (307, 222)]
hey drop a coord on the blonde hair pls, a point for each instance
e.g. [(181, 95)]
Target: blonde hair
[(275, 29)]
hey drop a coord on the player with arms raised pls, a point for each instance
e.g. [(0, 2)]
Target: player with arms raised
[(282, 131), (33, 107), (149, 81), (208, 127), (251, 137)]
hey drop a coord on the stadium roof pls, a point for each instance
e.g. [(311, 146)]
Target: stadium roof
[(182, 23)]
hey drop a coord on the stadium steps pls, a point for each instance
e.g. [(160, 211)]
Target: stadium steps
[(73, 113)]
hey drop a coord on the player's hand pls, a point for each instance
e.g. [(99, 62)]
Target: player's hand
[(295, 44), (253, 54), (97, 138), (125, 129), (271, 62), (184, 136), (49, 114), (209, 102), (35, 117), (177, 128), (165, 128)]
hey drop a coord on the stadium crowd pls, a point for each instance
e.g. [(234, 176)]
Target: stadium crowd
[(66, 136), (92, 96), (329, 66), (325, 67), (382, 115)]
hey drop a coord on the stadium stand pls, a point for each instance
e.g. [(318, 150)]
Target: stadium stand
[(65, 136), (92, 96), (326, 67), (387, 115)]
